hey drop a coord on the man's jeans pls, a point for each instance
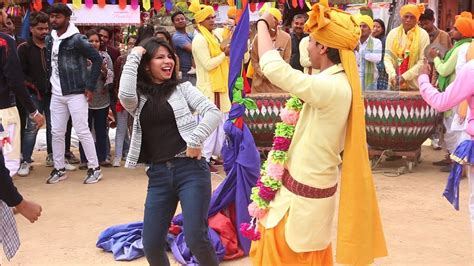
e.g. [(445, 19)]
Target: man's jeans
[(97, 121), (188, 181), (29, 137), (121, 133), (75, 106)]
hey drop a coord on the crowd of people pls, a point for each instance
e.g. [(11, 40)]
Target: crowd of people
[(174, 87)]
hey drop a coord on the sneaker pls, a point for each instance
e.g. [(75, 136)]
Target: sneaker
[(106, 163), (49, 160), (116, 162), (192, 71), (93, 175), (83, 166), (69, 167), (56, 176), (72, 158), (25, 168)]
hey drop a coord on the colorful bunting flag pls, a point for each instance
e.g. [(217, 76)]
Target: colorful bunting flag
[(37, 5), (89, 3), (101, 3), (146, 4), (77, 4), (122, 4), (134, 4), (157, 5)]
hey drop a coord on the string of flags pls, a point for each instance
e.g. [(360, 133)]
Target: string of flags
[(254, 5)]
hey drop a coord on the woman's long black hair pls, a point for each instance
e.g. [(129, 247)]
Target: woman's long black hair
[(382, 24), (145, 84)]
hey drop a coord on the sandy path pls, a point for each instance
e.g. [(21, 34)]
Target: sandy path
[(421, 228)]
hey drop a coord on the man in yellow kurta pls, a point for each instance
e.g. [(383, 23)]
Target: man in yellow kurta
[(297, 228), (282, 43), (212, 71), (405, 49)]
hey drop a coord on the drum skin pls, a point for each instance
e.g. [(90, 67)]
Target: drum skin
[(397, 121)]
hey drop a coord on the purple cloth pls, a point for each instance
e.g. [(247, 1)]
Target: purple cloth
[(183, 255), (124, 241), (238, 47)]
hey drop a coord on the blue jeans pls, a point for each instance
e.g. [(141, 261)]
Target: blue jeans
[(98, 121), (30, 133), (188, 181)]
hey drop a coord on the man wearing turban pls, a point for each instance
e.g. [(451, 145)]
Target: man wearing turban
[(368, 53), (296, 230), (282, 43), (212, 71), (464, 24), (446, 69), (405, 48)]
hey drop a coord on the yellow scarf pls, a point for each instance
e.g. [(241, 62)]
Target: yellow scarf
[(219, 76), (360, 236), (412, 45)]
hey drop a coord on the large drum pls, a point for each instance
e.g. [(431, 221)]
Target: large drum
[(261, 121), (397, 120)]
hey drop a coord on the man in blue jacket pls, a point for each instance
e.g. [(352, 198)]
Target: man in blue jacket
[(71, 87)]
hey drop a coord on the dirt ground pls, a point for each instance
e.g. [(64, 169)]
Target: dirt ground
[(421, 227)]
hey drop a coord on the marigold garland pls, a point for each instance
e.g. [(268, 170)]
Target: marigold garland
[(273, 169)]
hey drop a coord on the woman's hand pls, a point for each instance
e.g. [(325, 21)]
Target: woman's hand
[(139, 50), (194, 153)]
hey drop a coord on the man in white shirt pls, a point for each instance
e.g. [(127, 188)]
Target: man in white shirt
[(369, 53)]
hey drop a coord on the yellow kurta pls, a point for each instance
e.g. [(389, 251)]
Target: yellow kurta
[(390, 61), (314, 154), (204, 64)]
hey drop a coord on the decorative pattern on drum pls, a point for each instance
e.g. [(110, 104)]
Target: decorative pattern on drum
[(397, 121), (262, 120)]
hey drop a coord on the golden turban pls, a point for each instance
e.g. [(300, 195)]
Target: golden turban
[(415, 10), (367, 20), (201, 12), (464, 24), (332, 27), (232, 12), (274, 11), (360, 236)]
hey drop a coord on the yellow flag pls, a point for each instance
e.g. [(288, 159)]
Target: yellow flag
[(77, 4), (146, 5)]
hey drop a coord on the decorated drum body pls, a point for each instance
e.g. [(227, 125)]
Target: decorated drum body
[(261, 121), (398, 121)]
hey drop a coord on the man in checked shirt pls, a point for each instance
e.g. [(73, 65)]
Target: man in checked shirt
[(10, 197)]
